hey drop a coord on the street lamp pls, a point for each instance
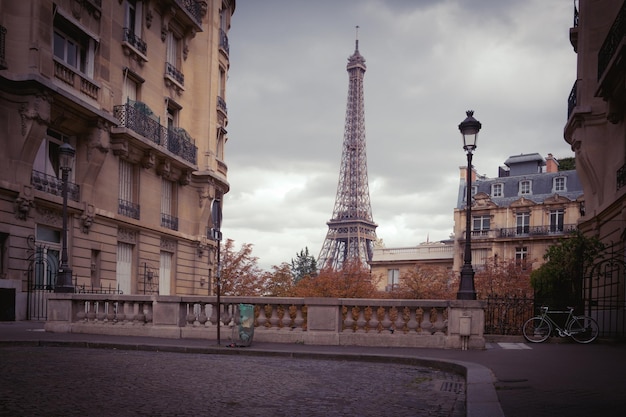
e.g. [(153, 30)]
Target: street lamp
[(469, 129), (64, 275)]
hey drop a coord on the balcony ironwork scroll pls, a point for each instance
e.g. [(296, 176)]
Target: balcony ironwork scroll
[(538, 230), (173, 72), (572, 100), (128, 209), (135, 41), (612, 41), (138, 117), (53, 185), (168, 221)]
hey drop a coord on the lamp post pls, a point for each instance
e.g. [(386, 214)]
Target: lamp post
[(64, 275), (216, 234), (469, 130)]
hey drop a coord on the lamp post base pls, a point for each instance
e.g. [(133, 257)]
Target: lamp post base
[(466, 286), (64, 281)]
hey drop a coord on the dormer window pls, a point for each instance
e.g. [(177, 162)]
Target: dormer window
[(559, 185), (496, 190), (525, 187)]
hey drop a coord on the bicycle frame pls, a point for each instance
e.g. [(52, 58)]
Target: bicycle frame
[(561, 329)]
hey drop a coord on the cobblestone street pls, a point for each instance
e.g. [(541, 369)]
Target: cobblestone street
[(64, 381)]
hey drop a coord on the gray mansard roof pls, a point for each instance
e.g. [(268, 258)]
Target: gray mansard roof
[(541, 187)]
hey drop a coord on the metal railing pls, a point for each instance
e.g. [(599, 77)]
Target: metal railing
[(137, 117), (128, 209), (173, 72), (537, 230), (572, 100), (53, 185), (168, 221), (3, 61), (612, 41), (135, 41), (193, 8), (621, 176), (224, 42)]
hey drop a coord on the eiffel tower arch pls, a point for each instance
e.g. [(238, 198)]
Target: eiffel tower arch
[(351, 230)]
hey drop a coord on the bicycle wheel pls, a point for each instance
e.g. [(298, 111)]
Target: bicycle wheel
[(537, 329), (583, 329)]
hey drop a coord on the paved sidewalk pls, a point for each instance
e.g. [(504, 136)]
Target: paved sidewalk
[(509, 378)]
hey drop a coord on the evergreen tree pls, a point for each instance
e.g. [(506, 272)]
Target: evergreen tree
[(304, 265)]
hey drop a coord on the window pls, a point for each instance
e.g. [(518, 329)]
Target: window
[(73, 46), (47, 259), (496, 190), (132, 20), (168, 206), (131, 89), (173, 58), (523, 223), (165, 272), (4, 253), (480, 225), (127, 190), (556, 220), (559, 185), (47, 158), (525, 187), (124, 268), (521, 256), (393, 279)]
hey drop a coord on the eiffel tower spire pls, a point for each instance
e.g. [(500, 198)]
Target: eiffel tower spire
[(351, 231)]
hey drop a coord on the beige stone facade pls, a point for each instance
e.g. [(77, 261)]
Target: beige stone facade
[(596, 127), (137, 88), (518, 214)]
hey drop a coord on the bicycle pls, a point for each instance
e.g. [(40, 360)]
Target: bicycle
[(582, 329)]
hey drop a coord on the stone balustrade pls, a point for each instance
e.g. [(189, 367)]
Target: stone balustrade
[(323, 321)]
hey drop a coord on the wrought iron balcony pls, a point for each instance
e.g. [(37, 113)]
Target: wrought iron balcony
[(612, 42), (193, 8), (168, 221), (174, 73), (3, 34), (221, 104), (128, 209), (572, 100), (135, 41), (224, 42), (537, 230), (138, 117), (621, 177), (53, 185)]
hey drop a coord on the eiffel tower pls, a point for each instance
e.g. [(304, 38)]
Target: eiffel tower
[(351, 231)]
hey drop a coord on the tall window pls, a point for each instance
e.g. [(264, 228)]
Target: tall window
[(168, 205), (124, 267), (47, 158), (132, 20), (127, 190), (481, 225), (556, 220), (393, 279), (131, 89), (48, 249), (4, 253), (525, 187), (496, 190), (523, 223), (165, 272), (521, 256), (73, 46)]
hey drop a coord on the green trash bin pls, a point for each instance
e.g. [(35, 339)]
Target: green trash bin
[(244, 331)]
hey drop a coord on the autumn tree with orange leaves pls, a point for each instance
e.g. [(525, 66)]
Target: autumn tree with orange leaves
[(503, 278), (432, 282), (240, 274), (352, 281)]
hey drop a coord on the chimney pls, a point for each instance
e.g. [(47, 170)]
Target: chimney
[(552, 165)]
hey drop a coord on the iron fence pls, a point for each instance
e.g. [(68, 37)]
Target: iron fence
[(506, 315)]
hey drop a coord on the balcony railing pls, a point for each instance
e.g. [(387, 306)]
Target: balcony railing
[(70, 77), (621, 177), (572, 100), (135, 41), (168, 221), (224, 42), (53, 185), (538, 230), (174, 73), (193, 8), (128, 209), (138, 117), (221, 104), (3, 34), (611, 43)]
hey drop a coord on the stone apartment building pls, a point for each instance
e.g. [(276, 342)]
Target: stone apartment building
[(138, 89), (596, 130), (520, 213), (515, 216)]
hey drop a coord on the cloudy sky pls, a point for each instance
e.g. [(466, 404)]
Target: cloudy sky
[(428, 61)]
